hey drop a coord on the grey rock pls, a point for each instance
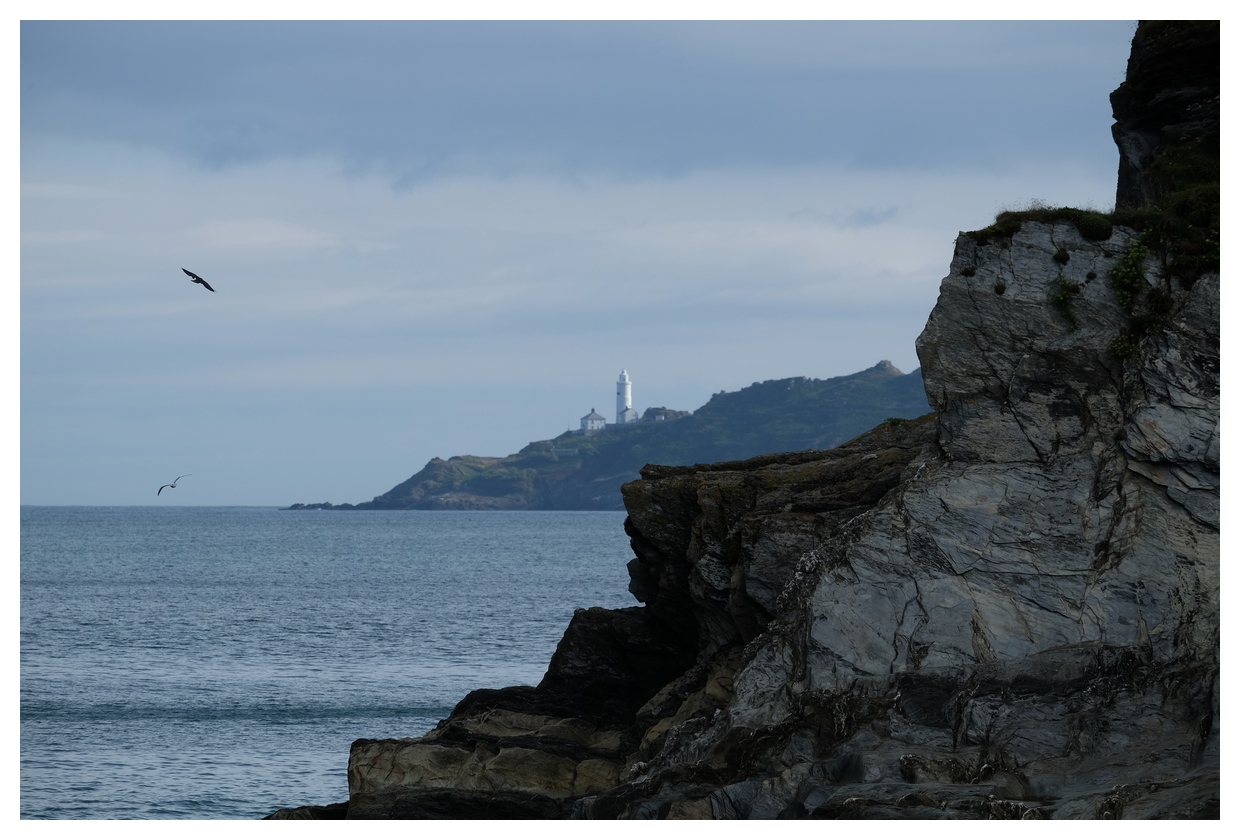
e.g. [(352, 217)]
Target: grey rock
[(1008, 608)]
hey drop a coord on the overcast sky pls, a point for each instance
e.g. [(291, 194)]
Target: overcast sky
[(434, 239)]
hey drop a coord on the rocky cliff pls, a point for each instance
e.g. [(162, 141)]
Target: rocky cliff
[(1007, 608)]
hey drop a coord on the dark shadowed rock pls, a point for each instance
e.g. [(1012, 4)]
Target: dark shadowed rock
[(1167, 111)]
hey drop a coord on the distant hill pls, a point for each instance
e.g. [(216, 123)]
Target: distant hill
[(584, 472)]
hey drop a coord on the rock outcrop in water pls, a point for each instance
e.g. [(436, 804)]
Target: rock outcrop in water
[(1007, 608)]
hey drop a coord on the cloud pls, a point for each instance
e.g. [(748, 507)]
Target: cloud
[(416, 100), (460, 277), (453, 236), (854, 218), (60, 237), (896, 46), (53, 190), (258, 233), (869, 216)]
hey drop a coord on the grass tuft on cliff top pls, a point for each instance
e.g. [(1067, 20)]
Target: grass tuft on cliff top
[(1091, 223), (1182, 224)]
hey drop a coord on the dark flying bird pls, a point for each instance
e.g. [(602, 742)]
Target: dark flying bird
[(195, 278), (179, 477)]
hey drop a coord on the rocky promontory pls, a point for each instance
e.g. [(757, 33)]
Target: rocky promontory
[(1007, 608), (585, 471)]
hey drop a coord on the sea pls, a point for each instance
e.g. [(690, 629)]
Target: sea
[(217, 662)]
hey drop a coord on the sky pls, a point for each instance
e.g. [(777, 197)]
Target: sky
[(433, 238)]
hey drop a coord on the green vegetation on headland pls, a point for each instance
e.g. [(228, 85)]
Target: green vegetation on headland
[(584, 472)]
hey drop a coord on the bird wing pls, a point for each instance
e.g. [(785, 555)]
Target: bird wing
[(161, 489), (205, 283), (178, 478), (192, 274)]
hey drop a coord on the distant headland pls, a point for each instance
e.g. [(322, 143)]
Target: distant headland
[(583, 469)]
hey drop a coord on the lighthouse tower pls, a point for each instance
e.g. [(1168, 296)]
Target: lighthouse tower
[(624, 400)]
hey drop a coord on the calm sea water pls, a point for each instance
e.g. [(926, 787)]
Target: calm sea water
[(197, 663)]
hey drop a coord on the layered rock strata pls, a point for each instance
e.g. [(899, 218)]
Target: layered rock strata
[(1027, 625), (1009, 608), (1005, 609), (620, 679)]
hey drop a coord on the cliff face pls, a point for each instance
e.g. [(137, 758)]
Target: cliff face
[(1008, 608), (1025, 625), (715, 545)]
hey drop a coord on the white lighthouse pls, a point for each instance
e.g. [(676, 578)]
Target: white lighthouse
[(624, 400)]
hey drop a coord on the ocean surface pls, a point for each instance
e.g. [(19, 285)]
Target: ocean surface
[(216, 663)]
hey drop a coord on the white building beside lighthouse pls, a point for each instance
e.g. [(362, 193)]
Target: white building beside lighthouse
[(624, 400), (593, 423)]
